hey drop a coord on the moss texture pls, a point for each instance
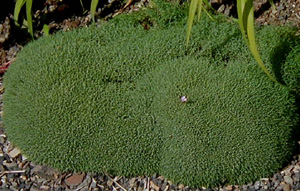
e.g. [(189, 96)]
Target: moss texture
[(106, 99)]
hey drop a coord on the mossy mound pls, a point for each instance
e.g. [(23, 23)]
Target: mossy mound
[(291, 70), (234, 121), (106, 99)]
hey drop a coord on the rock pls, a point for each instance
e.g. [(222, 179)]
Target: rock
[(221, 8), (14, 153), (181, 186), (93, 183), (2, 140), (288, 180), (33, 188), (214, 2), (278, 177), (163, 186), (74, 180), (1, 158), (244, 187), (11, 166), (44, 187), (285, 186), (229, 187), (14, 185), (22, 186), (45, 172), (257, 185), (279, 188), (155, 181), (297, 176), (154, 186), (296, 187), (110, 183), (86, 182), (251, 188), (227, 11), (173, 187), (2, 168), (6, 189)]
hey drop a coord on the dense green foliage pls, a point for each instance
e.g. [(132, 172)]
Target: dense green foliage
[(234, 121), (106, 99), (292, 70)]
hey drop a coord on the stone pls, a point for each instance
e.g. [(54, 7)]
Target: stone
[(163, 186), (288, 180), (278, 177), (296, 187), (93, 183), (257, 185), (297, 176), (244, 187), (44, 187), (154, 186), (110, 183), (11, 166), (74, 180), (22, 186), (14, 185), (251, 188), (45, 172), (229, 187), (2, 140), (227, 11), (6, 189), (181, 186), (173, 187), (214, 2), (286, 187), (279, 188), (14, 153)]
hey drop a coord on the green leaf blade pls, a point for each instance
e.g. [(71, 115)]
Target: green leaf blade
[(19, 4), (29, 16), (193, 8), (94, 4)]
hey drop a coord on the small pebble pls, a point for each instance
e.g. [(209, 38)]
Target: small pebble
[(288, 180), (74, 180)]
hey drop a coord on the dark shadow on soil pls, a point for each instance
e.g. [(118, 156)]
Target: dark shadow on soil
[(266, 6)]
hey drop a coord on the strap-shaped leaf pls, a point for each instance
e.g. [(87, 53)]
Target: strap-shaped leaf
[(94, 4), (246, 22), (29, 16), (193, 8), (19, 4)]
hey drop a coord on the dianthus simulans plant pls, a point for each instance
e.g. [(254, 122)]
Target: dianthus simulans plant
[(130, 100), (245, 11)]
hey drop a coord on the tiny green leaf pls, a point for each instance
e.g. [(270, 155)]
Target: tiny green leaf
[(46, 30)]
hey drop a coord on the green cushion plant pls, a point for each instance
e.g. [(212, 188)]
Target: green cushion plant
[(107, 99)]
